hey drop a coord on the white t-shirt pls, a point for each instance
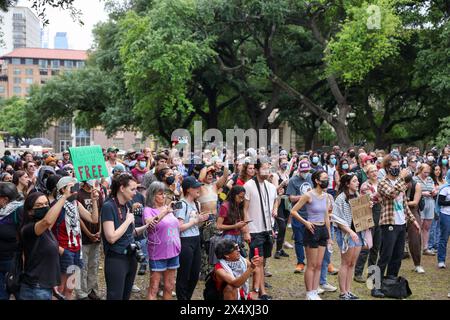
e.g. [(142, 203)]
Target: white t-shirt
[(269, 195), (399, 210), (330, 172), (445, 192)]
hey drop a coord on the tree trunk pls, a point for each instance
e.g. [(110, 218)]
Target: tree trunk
[(342, 134)]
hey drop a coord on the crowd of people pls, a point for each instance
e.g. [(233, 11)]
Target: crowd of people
[(217, 220)]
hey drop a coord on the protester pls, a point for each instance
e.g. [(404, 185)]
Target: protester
[(112, 160), (247, 173), (260, 206), (140, 168), (117, 235), (317, 234), (394, 213), (22, 183), (427, 213), (370, 187), (444, 221), (163, 241), (331, 169), (232, 272), (189, 218)]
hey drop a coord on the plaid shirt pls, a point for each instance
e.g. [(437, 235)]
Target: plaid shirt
[(388, 193)]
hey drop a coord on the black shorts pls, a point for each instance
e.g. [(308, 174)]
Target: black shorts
[(263, 241), (319, 238)]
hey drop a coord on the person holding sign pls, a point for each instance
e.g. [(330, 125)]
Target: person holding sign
[(349, 241), (317, 234), (394, 213)]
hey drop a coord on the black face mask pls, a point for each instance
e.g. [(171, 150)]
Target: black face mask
[(352, 154), (170, 180), (323, 184), (394, 171), (40, 213)]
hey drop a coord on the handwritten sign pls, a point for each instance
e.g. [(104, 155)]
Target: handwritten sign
[(362, 213), (88, 162)]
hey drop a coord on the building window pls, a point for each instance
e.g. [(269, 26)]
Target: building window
[(29, 61), (15, 61), (17, 16), (2, 89), (28, 90), (80, 64), (17, 90), (43, 72), (43, 63), (17, 80), (17, 71), (68, 63), (55, 72), (29, 72), (29, 80), (55, 63), (83, 137)]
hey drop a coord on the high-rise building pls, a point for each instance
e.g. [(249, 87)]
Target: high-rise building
[(61, 41), (21, 29), (44, 38)]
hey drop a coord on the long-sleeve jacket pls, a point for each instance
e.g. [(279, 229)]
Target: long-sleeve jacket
[(389, 192)]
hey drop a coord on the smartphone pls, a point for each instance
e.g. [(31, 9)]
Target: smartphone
[(256, 252), (247, 222), (176, 205), (75, 188)]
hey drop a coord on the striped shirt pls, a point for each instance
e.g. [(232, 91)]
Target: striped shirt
[(389, 192)]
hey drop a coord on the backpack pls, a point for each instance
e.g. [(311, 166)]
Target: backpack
[(437, 207), (397, 288), (210, 292)]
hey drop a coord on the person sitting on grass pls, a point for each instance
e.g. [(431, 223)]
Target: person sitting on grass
[(232, 272)]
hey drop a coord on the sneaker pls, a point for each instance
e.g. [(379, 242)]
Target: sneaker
[(441, 265), (316, 296), (313, 296), (284, 254), (328, 287), (267, 274), (142, 270), (448, 295), (300, 268), (289, 226), (428, 252), (287, 245), (359, 278), (344, 296), (377, 293), (352, 296), (265, 297), (135, 289), (320, 290), (332, 270), (277, 255), (419, 269)]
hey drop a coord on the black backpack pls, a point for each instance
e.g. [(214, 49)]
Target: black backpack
[(210, 292), (397, 288)]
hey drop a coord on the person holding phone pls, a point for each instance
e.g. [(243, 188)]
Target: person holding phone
[(231, 217), (67, 229), (163, 241)]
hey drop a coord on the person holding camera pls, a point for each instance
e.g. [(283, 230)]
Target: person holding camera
[(67, 229), (122, 253), (163, 241), (189, 218)]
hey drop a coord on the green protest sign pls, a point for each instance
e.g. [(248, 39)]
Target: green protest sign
[(88, 163)]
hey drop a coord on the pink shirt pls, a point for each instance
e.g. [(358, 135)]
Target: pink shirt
[(163, 241)]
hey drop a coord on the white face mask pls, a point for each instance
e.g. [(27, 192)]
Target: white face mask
[(430, 158)]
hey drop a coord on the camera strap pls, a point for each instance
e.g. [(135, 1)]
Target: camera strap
[(261, 200)]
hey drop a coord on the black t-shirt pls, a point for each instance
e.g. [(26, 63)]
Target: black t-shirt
[(110, 212), (9, 226), (138, 199), (43, 267)]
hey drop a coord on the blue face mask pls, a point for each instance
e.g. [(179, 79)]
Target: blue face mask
[(444, 162), (315, 159), (345, 166), (333, 161), (142, 164)]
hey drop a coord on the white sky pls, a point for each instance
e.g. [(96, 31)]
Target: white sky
[(79, 37)]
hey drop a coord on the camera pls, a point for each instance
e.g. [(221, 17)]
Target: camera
[(135, 248), (176, 205)]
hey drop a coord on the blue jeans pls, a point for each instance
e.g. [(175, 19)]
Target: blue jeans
[(324, 271), (5, 266), (32, 293), (433, 241), (444, 223), (299, 231), (144, 248)]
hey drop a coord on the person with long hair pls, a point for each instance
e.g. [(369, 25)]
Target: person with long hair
[(317, 234), (22, 182), (437, 175), (342, 168), (231, 217), (247, 172)]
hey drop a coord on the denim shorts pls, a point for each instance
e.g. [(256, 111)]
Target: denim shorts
[(165, 264), (238, 240), (70, 258), (345, 242), (28, 292)]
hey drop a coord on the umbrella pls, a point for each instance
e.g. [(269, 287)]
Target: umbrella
[(39, 142)]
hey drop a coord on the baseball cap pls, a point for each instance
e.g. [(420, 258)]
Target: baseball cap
[(140, 157), (190, 182), (367, 158), (112, 149), (118, 167), (64, 181), (65, 152), (283, 153), (304, 166)]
